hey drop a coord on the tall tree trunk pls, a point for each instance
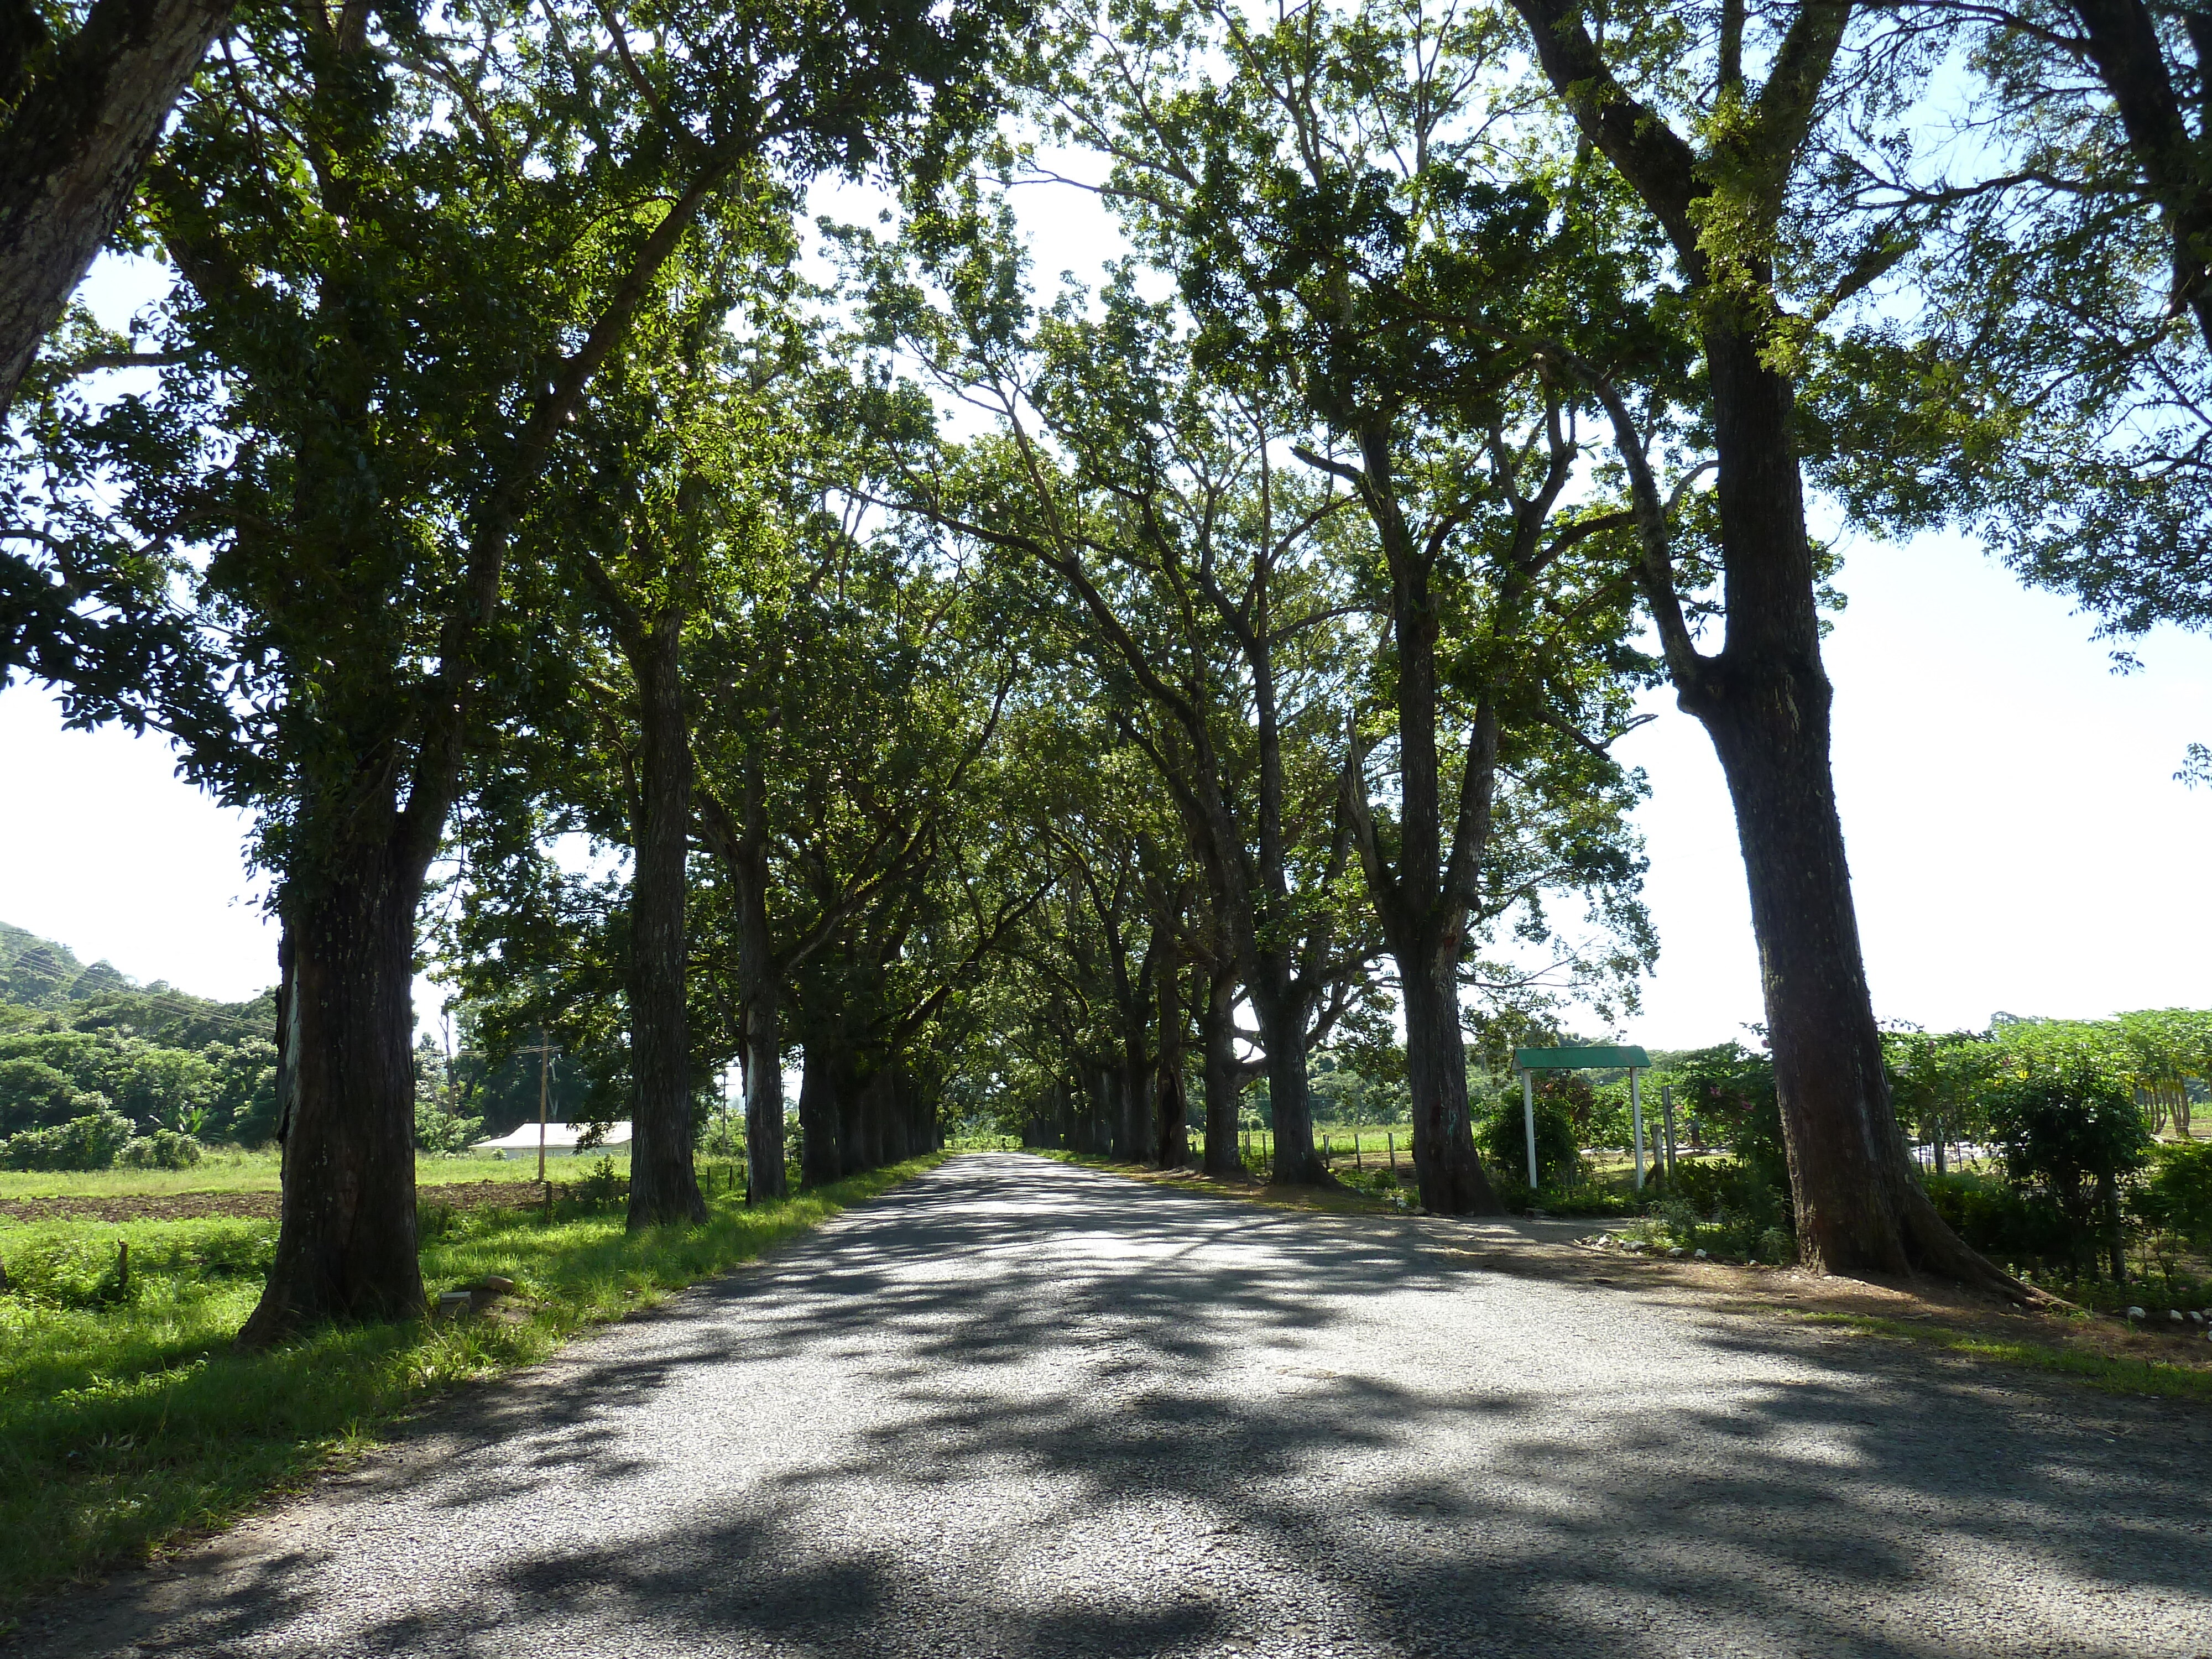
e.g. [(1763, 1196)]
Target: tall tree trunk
[(346, 1241), (851, 1124), (1765, 700), (1224, 1077), (2122, 36), (765, 1176), (1098, 1109), (664, 1184), (763, 1024), (1283, 1029), (865, 1105), (73, 151), (918, 1104), (1449, 1174), (821, 1151), (1134, 1089), (896, 1115), (1424, 903), (1171, 1105)]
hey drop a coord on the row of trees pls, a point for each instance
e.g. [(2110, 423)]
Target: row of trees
[(2156, 1063), (974, 688)]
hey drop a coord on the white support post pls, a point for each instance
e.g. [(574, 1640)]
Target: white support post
[(1528, 1121), (1636, 1114)]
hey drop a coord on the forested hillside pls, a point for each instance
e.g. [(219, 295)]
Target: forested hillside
[(76, 1040)]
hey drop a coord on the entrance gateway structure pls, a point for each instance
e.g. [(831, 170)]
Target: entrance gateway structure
[(1529, 1061)]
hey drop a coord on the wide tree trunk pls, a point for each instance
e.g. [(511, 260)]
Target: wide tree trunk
[(346, 1241), (865, 1106), (1224, 1077), (1765, 700), (72, 153), (894, 1140), (821, 1151), (1098, 1107), (765, 1176), (1283, 1029), (1132, 1088), (1447, 1172), (1171, 1107), (664, 1184), (918, 1103)]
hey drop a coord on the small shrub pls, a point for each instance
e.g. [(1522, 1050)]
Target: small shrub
[(437, 1130), (2070, 1130), (1502, 1137), (2175, 1195), (2005, 1222), (601, 1189), (1776, 1246), (165, 1149), (723, 1135), (91, 1142), (1717, 1186), (1584, 1201), (1727, 1093)]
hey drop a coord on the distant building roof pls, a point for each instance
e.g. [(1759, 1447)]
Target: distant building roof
[(560, 1136)]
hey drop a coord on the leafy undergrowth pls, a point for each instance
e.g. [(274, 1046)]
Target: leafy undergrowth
[(127, 1422)]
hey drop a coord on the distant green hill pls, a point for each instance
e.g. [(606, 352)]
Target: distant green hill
[(37, 973), (45, 975), (74, 1038)]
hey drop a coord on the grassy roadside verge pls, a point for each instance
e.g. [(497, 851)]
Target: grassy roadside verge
[(2112, 1373), (227, 1170), (127, 1422)]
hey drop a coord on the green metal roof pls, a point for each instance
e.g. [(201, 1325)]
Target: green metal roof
[(1572, 1059)]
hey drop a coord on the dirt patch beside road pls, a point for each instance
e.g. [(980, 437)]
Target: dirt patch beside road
[(191, 1207)]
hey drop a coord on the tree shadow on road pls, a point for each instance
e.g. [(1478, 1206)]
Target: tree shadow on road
[(1019, 1408)]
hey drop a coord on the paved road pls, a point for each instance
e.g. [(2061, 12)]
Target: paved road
[(1017, 1409)]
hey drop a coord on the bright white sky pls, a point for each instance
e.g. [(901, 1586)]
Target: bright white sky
[(2017, 837)]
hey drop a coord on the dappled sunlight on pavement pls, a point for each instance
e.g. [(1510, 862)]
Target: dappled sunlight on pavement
[(1019, 1408)]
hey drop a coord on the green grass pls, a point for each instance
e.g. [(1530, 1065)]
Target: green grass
[(129, 1424), (2113, 1374), (230, 1171)]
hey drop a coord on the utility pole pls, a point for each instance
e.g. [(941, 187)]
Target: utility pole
[(544, 1051)]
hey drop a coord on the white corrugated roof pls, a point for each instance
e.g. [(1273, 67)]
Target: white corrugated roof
[(563, 1136)]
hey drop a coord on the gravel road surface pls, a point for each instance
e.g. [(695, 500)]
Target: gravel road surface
[(1014, 1408)]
